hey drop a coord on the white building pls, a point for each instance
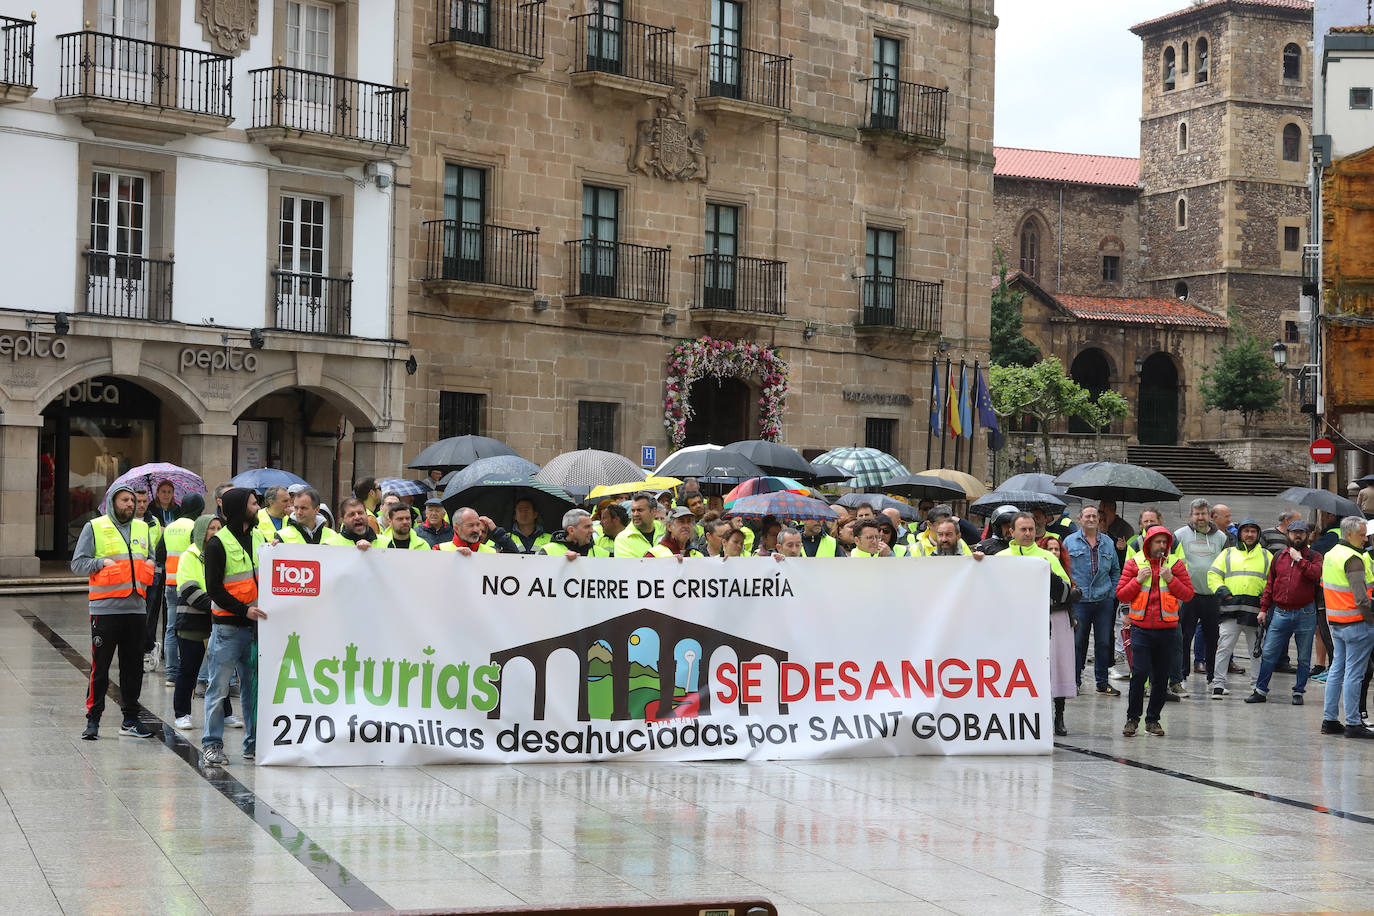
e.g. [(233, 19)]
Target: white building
[(200, 248)]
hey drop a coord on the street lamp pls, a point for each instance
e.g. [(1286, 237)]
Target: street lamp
[(1280, 351)]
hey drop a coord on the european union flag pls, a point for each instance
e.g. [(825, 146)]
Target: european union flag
[(987, 417)]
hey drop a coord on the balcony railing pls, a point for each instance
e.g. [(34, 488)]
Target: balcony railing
[(906, 108), (732, 283), (312, 303), (481, 253), (896, 302), (16, 51), (125, 286), (731, 72), (616, 270), (608, 44), (101, 66), (505, 25), (325, 104), (1311, 268)]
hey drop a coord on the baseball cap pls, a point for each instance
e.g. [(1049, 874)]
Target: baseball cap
[(681, 512), (434, 501)]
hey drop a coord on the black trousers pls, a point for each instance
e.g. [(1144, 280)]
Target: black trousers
[(192, 654), (1204, 609), (111, 634), (1154, 653)]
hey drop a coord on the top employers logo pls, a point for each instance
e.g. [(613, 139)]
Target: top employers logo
[(299, 578)]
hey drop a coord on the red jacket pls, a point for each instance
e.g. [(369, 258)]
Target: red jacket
[(1180, 586), (1292, 584)]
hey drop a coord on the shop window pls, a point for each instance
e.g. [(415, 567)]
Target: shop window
[(1290, 238), (1292, 140), (460, 413), (596, 425), (1111, 268), (1168, 69), (1203, 64), (880, 433), (1292, 61), (1362, 97)]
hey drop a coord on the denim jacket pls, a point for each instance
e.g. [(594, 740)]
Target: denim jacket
[(1103, 584)]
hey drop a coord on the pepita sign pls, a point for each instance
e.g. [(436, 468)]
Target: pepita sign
[(213, 361)]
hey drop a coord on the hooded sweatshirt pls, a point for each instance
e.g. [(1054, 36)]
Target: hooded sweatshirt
[(235, 506), (193, 606), (84, 562), (1180, 586)]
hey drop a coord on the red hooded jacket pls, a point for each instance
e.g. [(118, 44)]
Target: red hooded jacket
[(1180, 586)]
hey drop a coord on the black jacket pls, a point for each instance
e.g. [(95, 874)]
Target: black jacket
[(235, 503)]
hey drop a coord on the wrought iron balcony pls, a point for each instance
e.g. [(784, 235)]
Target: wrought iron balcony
[(622, 56), (312, 303), (730, 283), (900, 304), (16, 59), (126, 286), (616, 270), (908, 112), (126, 87), (479, 36), (726, 73), (479, 263), (1311, 269), (318, 117)]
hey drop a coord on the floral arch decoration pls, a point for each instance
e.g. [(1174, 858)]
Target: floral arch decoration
[(691, 360)]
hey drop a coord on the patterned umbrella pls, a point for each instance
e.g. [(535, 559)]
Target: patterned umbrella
[(879, 502), (148, 476), (756, 486), (459, 452), (1025, 500), (402, 487), (784, 506), (867, 467), (589, 467), (973, 487), (262, 478)]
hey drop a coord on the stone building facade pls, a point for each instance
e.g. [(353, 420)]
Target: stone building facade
[(588, 191)]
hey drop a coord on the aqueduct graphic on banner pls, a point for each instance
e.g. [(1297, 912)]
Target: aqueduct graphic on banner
[(617, 631)]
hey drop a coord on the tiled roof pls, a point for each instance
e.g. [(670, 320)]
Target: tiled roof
[(1351, 29), (1140, 311), (1304, 5), (1072, 168)]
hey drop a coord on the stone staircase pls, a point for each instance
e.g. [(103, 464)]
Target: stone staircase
[(1201, 470), (43, 585)]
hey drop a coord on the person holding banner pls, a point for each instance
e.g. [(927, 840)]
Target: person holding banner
[(469, 534), (356, 523), (677, 542), (1062, 596), (869, 540), (398, 534), (1154, 584), (577, 539)]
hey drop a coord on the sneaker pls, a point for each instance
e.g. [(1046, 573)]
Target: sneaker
[(213, 756), (92, 731), (149, 662), (1107, 690), (1359, 731), (249, 754), (1257, 697), (200, 688), (1317, 670), (1332, 727), (1320, 678), (1179, 690), (134, 730), (233, 722), (1219, 692), (182, 723), (1155, 729), (1130, 729), (1297, 699), (1118, 674), (170, 682)]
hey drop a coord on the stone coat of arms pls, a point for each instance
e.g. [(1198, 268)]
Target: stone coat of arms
[(228, 24), (666, 146)]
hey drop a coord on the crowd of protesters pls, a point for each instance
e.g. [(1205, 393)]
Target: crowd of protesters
[(189, 575)]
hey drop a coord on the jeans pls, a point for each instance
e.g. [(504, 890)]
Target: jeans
[(1198, 609), (1154, 654), (1229, 633), (1101, 616), (232, 649), (170, 649), (1349, 657), (1283, 625)]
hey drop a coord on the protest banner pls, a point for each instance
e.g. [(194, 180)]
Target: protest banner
[(404, 657)]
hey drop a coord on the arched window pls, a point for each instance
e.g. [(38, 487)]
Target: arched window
[(1292, 139), (1168, 69), (1292, 61), (1183, 60), (1202, 62), (1030, 249), (1181, 290), (1182, 213), (1183, 136)]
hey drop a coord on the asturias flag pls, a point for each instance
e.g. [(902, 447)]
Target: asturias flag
[(965, 404), (935, 403), (987, 417), (955, 427)]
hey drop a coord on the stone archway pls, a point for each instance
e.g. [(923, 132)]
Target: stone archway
[(1093, 371), (1157, 402)]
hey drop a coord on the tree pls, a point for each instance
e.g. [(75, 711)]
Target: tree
[(1242, 379), (1100, 413), (1043, 391), (1008, 345)]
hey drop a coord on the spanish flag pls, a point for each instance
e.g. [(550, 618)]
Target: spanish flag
[(956, 427)]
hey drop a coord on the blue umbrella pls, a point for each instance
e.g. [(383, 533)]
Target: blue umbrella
[(262, 478), (402, 487)]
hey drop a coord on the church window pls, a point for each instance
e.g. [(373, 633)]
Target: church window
[(1292, 140), (1181, 290), (1030, 249), (1183, 137), (1168, 69), (1182, 213), (1292, 61), (1203, 64)]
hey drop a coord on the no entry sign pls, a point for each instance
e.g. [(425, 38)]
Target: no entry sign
[(1322, 451)]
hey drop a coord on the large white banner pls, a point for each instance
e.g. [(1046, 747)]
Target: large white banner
[(398, 657)]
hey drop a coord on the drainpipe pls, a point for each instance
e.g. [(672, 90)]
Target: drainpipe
[(1059, 243)]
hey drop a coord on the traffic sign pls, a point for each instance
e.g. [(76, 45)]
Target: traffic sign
[(1319, 468), (648, 456), (1322, 451)]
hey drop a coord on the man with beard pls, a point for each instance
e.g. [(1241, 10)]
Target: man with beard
[(115, 554), (948, 543), (1289, 607)]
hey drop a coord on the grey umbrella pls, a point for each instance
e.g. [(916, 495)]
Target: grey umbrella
[(1125, 483), (879, 502), (1036, 483), (1321, 500), (1078, 470), (1025, 500), (586, 468), (923, 486), (459, 452)]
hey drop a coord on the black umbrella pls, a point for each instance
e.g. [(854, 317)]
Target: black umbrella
[(711, 461), (1129, 483), (499, 466), (825, 473), (495, 495), (923, 486), (1025, 500), (1322, 500), (459, 452), (879, 502), (774, 458), (1075, 472)]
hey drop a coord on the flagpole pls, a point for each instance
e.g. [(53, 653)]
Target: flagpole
[(973, 417), (944, 408), (934, 397)]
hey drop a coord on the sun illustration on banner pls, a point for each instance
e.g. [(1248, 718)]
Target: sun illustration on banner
[(646, 687)]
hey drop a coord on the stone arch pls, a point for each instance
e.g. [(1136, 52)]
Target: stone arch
[(1091, 368), (170, 389), (1290, 141), (1111, 243), (1183, 136), (1201, 60), (1292, 62), (1168, 70), (1159, 404), (1032, 241), (348, 400)]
